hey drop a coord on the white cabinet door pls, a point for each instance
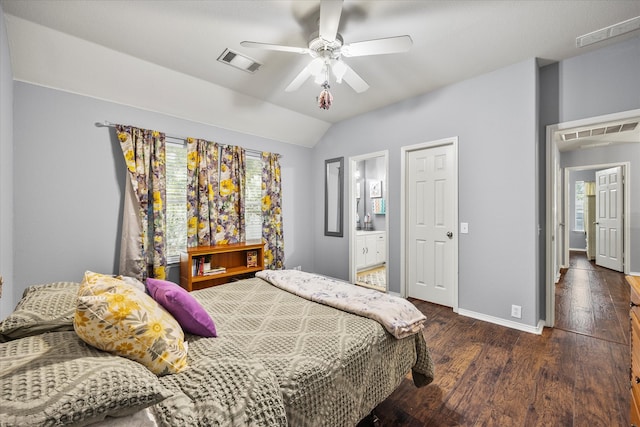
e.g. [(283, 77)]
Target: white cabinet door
[(370, 253), (371, 250), (361, 252), (380, 249)]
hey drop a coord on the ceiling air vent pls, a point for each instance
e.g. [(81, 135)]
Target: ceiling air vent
[(239, 61), (609, 32), (585, 133)]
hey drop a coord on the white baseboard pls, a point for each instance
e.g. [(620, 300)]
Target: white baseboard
[(577, 250), (503, 322), (633, 273)]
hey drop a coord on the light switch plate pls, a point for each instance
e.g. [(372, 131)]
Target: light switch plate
[(464, 227)]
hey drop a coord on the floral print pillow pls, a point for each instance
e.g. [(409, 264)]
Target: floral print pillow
[(119, 318)]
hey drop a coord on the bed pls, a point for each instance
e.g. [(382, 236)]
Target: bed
[(279, 359)]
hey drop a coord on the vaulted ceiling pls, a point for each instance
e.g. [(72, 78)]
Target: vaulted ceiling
[(452, 41)]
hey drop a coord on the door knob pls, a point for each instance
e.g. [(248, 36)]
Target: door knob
[(449, 234)]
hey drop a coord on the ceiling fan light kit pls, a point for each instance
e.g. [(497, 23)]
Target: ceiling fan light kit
[(327, 48)]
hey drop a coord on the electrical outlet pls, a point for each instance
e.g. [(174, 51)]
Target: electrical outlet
[(516, 311), (298, 267)]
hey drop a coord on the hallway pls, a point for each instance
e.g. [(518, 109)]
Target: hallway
[(593, 301)]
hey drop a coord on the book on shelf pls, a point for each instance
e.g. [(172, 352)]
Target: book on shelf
[(202, 266), (252, 258), (214, 270)]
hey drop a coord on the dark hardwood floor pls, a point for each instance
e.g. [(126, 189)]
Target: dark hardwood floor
[(576, 374)]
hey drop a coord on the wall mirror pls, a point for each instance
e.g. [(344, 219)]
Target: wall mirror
[(333, 196), (368, 220)]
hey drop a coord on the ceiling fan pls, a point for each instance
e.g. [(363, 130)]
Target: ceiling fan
[(327, 48)]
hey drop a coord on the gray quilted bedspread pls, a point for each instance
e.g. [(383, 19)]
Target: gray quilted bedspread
[(331, 367), (222, 387), (278, 360)]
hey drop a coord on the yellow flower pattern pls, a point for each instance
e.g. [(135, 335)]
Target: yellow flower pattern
[(144, 155), (117, 317), (266, 203), (272, 212), (215, 193), (226, 187)]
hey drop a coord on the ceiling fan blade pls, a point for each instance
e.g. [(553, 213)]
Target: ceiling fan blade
[(268, 46), (378, 47), (330, 11), (354, 80), (311, 69)]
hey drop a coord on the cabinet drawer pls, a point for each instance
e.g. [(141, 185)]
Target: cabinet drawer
[(635, 413), (634, 283), (635, 357)]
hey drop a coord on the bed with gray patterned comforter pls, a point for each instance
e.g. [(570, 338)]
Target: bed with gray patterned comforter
[(279, 359)]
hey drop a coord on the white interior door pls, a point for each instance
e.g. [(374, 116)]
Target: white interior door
[(431, 229), (609, 218)]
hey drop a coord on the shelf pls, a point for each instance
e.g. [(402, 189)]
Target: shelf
[(232, 256), (230, 272)]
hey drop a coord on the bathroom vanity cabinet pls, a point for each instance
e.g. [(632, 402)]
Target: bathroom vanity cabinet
[(370, 249)]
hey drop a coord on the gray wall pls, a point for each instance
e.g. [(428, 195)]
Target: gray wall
[(501, 120), (69, 180), (577, 238), (6, 173), (494, 116), (601, 82)]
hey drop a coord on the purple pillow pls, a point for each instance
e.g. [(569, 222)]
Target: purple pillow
[(184, 307)]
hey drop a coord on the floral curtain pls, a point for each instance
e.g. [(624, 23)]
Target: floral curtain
[(272, 212), (144, 218), (202, 188), (231, 222)]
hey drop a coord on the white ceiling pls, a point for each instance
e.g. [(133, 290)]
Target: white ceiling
[(452, 41)]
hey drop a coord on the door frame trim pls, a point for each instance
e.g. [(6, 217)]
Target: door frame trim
[(404, 152), (553, 158)]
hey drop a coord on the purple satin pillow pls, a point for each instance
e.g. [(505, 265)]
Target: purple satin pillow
[(184, 307)]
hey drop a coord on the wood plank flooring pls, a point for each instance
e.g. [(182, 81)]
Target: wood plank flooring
[(576, 374)]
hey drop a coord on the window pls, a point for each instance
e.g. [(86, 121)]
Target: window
[(579, 206), (176, 236), (253, 202)]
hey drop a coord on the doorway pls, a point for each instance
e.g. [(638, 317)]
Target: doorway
[(368, 220), (566, 136), (429, 247), (601, 233)]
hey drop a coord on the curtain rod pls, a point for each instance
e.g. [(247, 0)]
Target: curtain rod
[(107, 124)]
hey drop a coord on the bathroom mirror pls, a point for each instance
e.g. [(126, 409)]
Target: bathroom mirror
[(333, 197)]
